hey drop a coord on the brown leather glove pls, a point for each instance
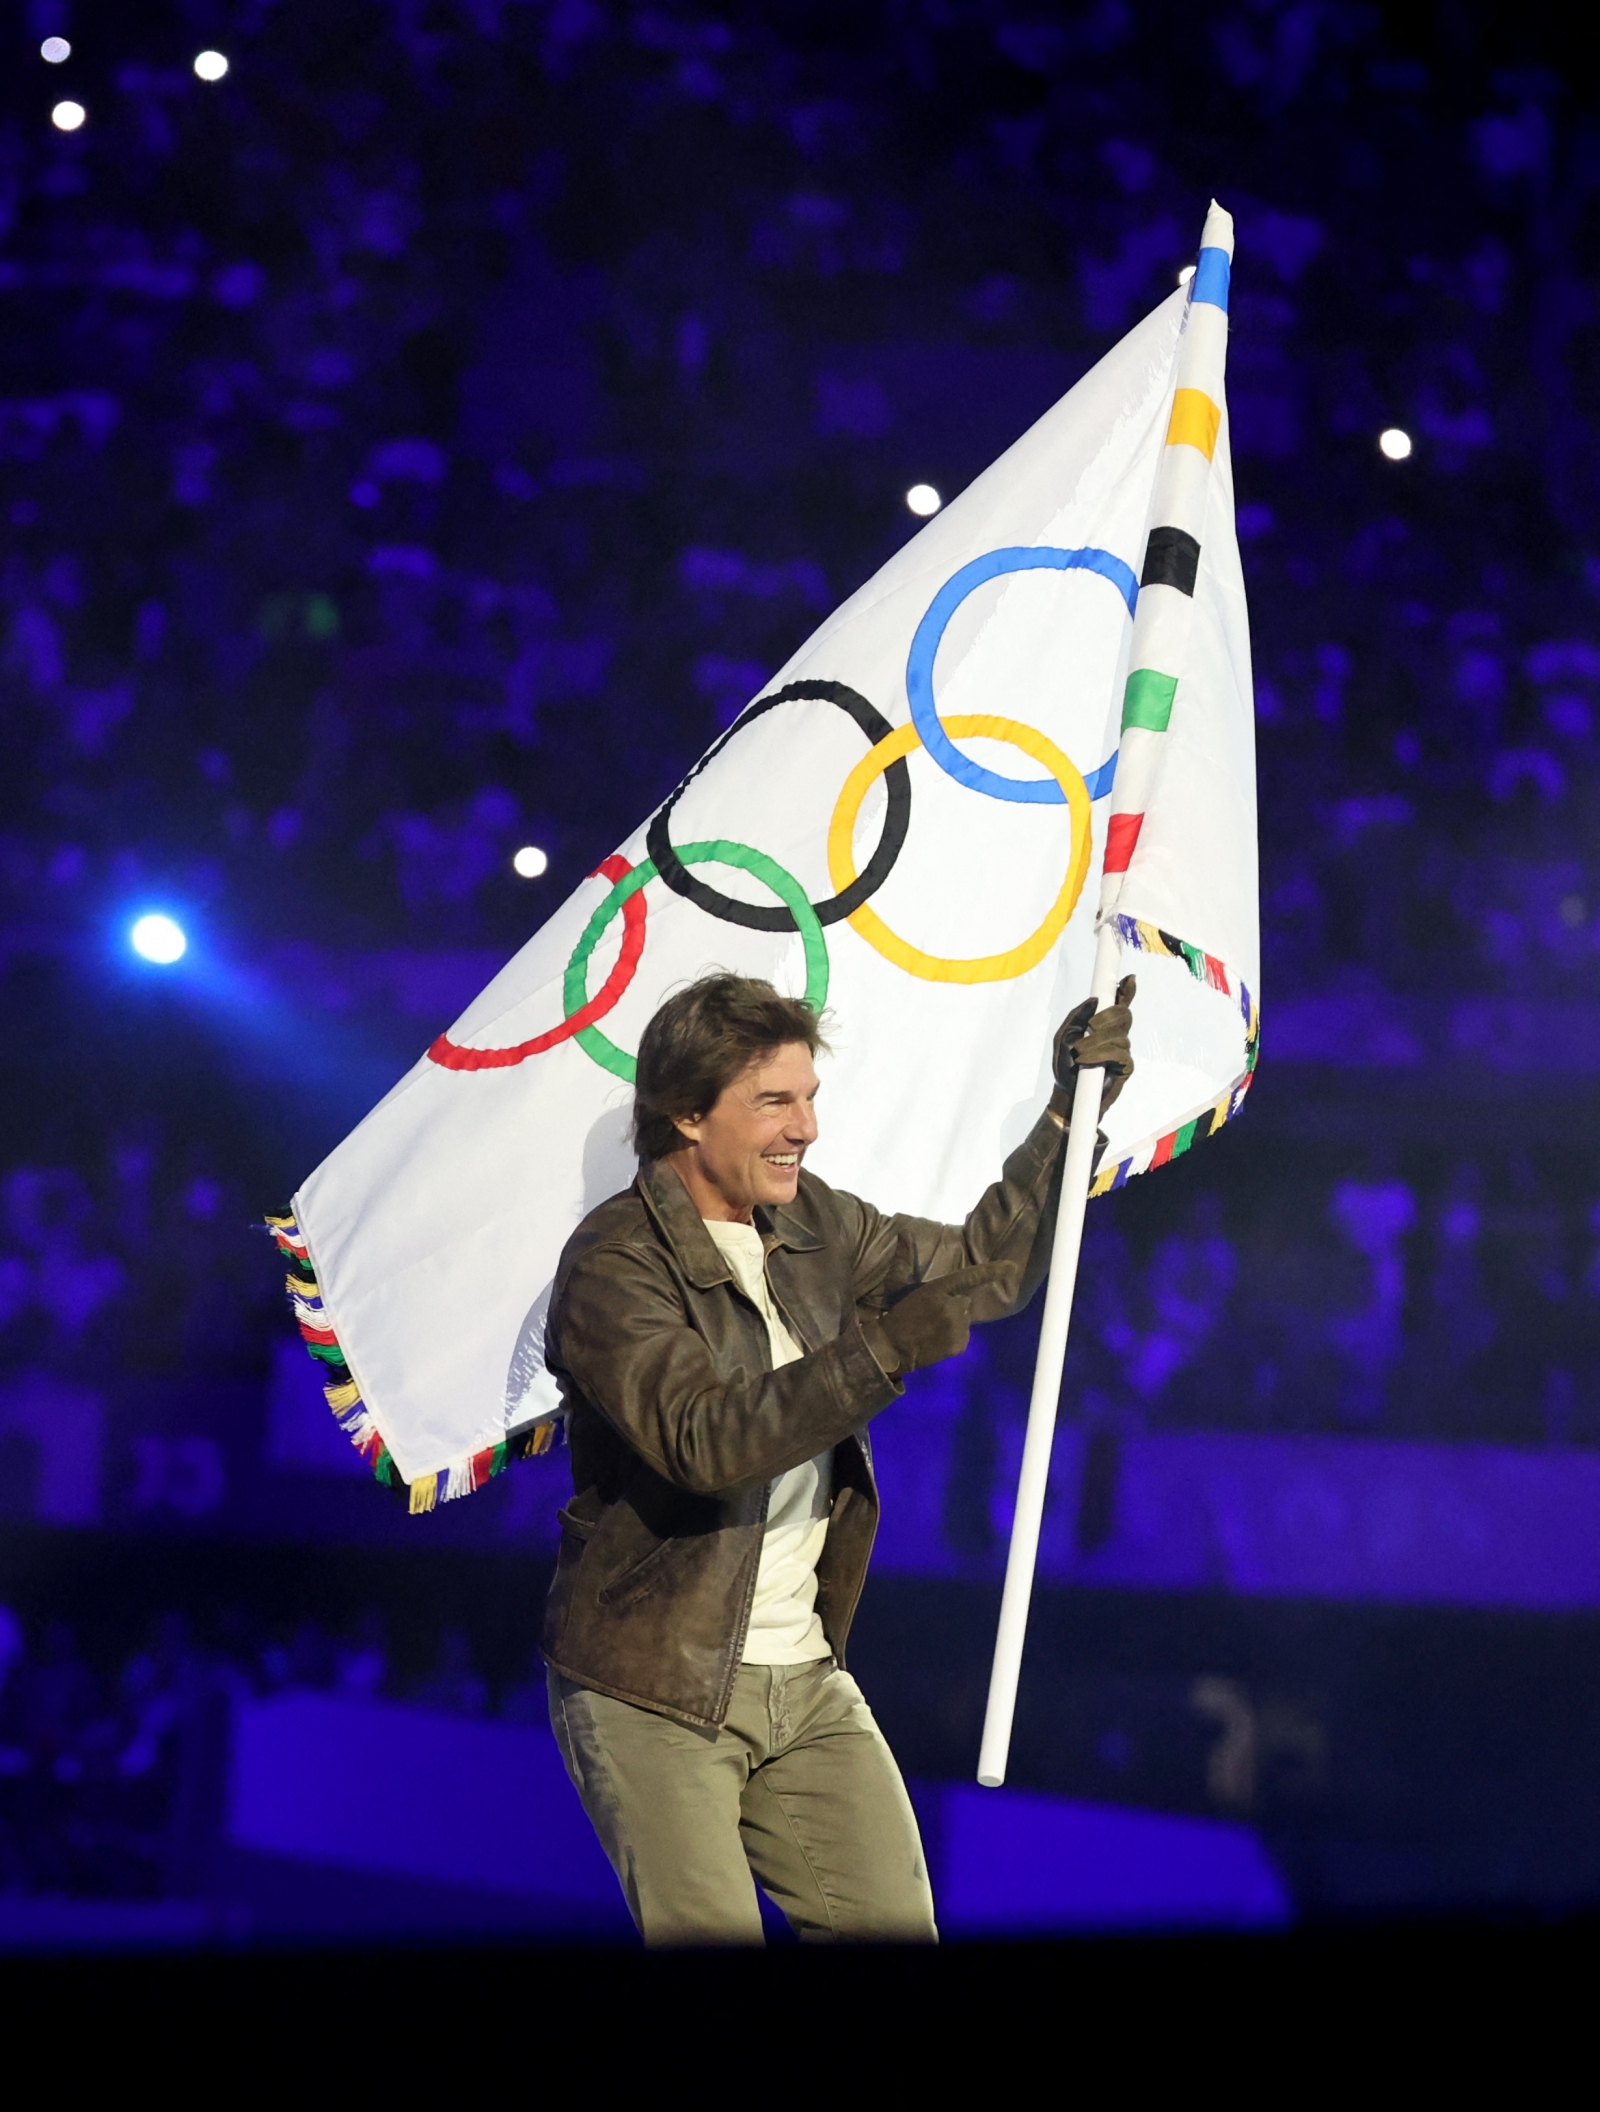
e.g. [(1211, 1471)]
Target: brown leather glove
[(932, 1321), (1091, 1038)]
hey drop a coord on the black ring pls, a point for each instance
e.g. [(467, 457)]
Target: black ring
[(896, 820)]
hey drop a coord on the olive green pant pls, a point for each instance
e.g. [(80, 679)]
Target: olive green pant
[(798, 1789)]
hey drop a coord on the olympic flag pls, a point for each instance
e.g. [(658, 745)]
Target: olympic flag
[(1033, 724)]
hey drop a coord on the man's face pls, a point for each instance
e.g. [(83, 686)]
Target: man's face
[(748, 1149)]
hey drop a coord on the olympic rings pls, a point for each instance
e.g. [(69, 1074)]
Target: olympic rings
[(796, 912), (670, 864), (453, 1056), (925, 646), (985, 968), (718, 851)]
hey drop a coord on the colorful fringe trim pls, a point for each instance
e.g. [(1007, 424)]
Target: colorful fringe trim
[(1204, 967), (351, 1413), (1205, 1121)]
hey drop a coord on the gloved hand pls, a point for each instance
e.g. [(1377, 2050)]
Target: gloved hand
[(932, 1321), (1095, 1038)]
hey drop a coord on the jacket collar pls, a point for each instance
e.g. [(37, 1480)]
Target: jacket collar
[(681, 1225), (781, 1228), (683, 1228)]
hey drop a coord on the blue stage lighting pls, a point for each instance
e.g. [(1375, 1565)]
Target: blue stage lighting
[(159, 939)]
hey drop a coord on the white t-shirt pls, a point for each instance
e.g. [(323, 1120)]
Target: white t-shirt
[(784, 1628)]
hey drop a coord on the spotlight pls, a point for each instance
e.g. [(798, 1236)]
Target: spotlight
[(923, 500), (67, 117), (159, 939), (54, 50), (210, 65), (530, 862), (1186, 275), (1394, 443)]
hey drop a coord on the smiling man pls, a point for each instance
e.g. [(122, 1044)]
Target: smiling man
[(723, 1332)]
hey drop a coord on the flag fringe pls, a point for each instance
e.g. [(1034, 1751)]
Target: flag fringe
[(1204, 967), (1204, 1121), (460, 1477)]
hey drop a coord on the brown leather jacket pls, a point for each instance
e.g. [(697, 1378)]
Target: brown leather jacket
[(677, 1422)]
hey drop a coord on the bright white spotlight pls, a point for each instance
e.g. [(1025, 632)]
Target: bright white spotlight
[(210, 65), (923, 500), (157, 938), (530, 862), (1186, 275), (67, 117), (1394, 443), (54, 50)]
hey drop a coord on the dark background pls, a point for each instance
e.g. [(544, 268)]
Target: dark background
[(422, 441)]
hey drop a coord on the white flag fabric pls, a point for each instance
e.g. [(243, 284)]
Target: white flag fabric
[(909, 826)]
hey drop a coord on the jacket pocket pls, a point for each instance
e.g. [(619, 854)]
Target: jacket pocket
[(575, 1534), (638, 1580)]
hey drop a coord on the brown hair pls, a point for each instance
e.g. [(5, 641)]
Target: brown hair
[(699, 1041)]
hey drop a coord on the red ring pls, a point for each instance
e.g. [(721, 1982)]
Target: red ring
[(451, 1056)]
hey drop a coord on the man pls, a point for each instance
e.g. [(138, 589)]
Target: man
[(723, 1333)]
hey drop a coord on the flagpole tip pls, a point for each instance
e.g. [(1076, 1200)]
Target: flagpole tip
[(1218, 230)]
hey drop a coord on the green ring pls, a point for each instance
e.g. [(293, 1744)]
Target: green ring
[(720, 851)]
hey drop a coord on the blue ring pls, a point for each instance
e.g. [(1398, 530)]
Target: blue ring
[(1039, 792)]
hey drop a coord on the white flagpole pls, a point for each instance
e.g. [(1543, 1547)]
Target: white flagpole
[(1160, 633), (1035, 1476)]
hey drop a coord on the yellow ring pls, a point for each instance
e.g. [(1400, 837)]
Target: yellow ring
[(989, 967)]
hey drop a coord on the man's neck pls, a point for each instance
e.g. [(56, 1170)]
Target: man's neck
[(707, 1198)]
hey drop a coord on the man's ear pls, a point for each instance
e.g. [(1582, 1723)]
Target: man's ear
[(688, 1127)]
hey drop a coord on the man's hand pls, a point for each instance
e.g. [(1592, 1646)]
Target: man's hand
[(1089, 1039), (932, 1321)]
